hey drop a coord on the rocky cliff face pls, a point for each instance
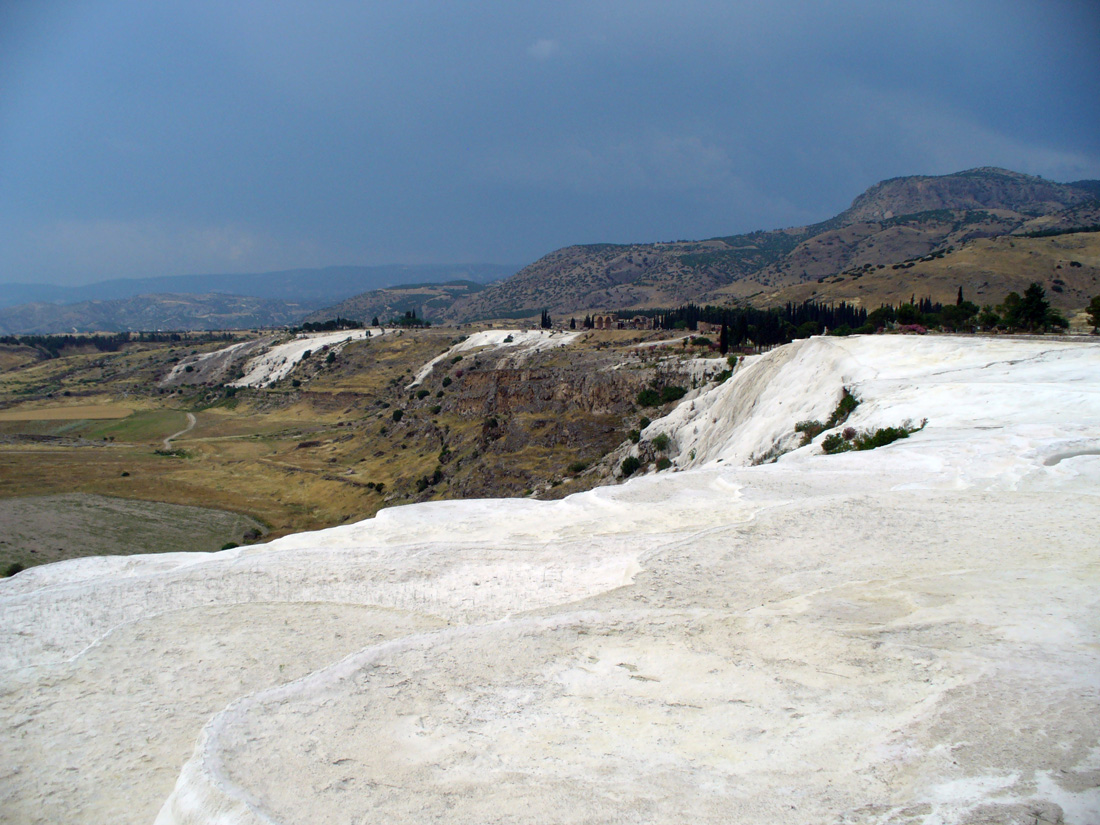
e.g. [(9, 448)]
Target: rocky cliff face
[(525, 426), (547, 391)]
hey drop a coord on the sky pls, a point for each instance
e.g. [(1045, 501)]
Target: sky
[(143, 139)]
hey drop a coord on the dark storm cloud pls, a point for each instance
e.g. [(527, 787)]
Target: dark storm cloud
[(174, 137)]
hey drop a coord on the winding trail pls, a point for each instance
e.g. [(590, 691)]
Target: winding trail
[(190, 426)]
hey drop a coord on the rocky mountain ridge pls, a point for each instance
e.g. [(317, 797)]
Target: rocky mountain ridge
[(429, 301), (894, 221), (986, 188)]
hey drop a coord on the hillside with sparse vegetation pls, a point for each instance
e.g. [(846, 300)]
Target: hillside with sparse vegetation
[(894, 223)]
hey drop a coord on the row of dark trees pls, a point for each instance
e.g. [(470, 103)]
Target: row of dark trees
[(331, 325), (409, 319), (1030, 312), (765, 328), (52, 345), (762, 327)]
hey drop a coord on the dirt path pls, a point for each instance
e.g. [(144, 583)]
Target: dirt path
[(190, 426)]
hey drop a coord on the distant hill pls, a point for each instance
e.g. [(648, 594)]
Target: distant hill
[(429, 301), (317, 287), (151, 312), (986, 188), (987, 269), (894, 221)]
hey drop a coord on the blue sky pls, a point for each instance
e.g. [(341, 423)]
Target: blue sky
[(166, 138)]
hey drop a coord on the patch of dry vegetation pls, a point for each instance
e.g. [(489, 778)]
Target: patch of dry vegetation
[(321, 447), (1067, 266)]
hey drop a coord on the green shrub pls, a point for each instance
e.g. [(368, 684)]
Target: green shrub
[(436, 409), (643, 423), (844, 408), (629, 466), (447, 381), (422, 394), (880, 437), (722, 377), (660, 442), (663, 463), (649, 398), (810, 430), (635, 436), (229, 545), (577, 467), (669, 394), (398, 415), (12, 569), (850, 439)]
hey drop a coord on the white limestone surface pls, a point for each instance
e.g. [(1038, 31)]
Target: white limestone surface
[(521, 344), (225, 354), (905, 635), (280, 360)]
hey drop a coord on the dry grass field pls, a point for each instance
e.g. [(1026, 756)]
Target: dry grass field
[(1068, 267), (295, 458), (81, 412)]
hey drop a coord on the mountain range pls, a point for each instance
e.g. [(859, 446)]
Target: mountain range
[(196, 301), (986, 231), (210, 311), (894, 222)]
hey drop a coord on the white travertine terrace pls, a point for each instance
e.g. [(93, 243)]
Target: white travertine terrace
[(280, 360), (904, 635), (519, 342)]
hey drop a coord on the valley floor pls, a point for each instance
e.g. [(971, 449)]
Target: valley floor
[(907, 635)]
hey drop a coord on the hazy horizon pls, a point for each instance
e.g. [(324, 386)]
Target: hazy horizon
[(151, 140), (250, 273)]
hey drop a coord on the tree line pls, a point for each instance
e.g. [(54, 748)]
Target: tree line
[(763, 328), (52, 345)]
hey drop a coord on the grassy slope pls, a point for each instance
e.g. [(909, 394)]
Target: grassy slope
[(987, 269), (307, 457)]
